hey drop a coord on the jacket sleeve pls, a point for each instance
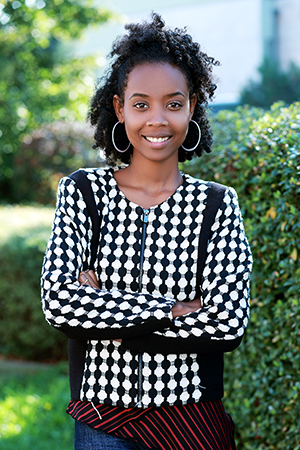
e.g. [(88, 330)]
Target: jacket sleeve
[(83, 312), (219, 325)]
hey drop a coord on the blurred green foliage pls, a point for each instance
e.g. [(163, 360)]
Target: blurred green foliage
[(258, 154), (274, 85), (32, 408), (48, 154), (24, 333), (40, 80)]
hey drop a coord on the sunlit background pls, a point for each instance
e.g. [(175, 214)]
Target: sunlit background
[(241, 34), (51, 54)]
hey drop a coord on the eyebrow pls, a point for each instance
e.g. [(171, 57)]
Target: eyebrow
[(173, 94)]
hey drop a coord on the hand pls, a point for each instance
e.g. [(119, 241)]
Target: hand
[(182, 308), (88, 277)]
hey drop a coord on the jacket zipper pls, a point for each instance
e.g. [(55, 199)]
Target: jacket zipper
[(145, 221), (140, 374)]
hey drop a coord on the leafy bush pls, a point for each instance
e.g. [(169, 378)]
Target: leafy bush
[(258, 154), (49, 153), (23, 330)]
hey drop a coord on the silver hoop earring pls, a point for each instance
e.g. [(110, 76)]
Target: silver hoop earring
[(199, 132), (113, 140)]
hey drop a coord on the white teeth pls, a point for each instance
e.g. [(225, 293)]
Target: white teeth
[(154, 139)]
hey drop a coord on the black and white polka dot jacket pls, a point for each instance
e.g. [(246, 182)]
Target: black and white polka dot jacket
[(147, 260)]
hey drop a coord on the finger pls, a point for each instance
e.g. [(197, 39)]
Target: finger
[(87, 281)]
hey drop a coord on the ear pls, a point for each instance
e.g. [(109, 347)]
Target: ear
[(119, 108), (193, 101)]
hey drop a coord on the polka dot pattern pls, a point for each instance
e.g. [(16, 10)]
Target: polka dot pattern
[(132, 295), (111, 377)]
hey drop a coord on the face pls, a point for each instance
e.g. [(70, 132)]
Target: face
[(156, 110)]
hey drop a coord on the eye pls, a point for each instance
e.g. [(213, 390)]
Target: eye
[(175, 105), (140, 105)]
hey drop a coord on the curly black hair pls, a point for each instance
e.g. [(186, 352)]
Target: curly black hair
[(152, 42)]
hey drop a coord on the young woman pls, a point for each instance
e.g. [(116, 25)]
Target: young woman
[(147, 342)]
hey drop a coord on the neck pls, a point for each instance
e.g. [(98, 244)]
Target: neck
[(148, 183), (155, 175)]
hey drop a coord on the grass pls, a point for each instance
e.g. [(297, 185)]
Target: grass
[(32, 408)]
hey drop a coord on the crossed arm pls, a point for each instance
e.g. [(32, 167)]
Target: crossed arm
[(179, 309), (162, 324)]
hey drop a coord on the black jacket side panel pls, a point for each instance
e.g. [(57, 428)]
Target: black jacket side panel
[(77, 351)]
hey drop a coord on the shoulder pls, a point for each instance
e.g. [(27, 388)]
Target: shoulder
[(203, 185), (92, 174), (97, 177), (76, 182), (227, 194)]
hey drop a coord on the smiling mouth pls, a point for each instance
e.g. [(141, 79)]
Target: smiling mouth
[(156, 139)]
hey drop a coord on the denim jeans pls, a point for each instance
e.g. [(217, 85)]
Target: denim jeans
[(87, 438)]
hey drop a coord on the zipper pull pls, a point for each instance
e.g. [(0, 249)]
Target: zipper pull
[(146, 215)]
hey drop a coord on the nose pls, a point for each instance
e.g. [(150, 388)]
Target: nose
[(157, 118)]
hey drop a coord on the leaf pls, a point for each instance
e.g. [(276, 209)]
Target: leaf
[(294, 255), (271, 213)]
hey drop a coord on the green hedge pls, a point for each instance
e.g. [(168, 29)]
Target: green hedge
[(258, 154), (24, 332), (46, 155)]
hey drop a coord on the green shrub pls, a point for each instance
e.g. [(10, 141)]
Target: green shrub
[(49, 153), (23, 330), (258, 154)]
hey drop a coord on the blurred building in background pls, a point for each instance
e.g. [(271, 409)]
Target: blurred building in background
[(241, 34)]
